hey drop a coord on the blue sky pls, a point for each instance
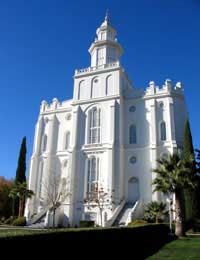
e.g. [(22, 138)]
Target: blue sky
[(42, 42)]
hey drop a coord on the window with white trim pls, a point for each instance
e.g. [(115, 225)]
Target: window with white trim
[(132, 134), (163, 135), (94, 131), (92, 175), (44, 146), (66, 140)]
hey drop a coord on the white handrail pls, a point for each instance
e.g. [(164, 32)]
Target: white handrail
[(130, 215), (115, 214)]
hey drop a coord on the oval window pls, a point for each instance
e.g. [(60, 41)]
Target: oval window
[(132, 109), (161, 104), (132, 160)]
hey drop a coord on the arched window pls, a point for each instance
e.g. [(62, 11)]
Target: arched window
[(66, 140), (44, 146), (132, 134), (94, 125), (93, 175), (163, 131), (40, 181)]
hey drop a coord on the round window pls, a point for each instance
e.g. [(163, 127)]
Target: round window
[(161, 104), (132, 160), (132, 109), (68, 117)]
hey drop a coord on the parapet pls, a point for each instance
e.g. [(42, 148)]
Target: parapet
[(152, 89), (55, 105)]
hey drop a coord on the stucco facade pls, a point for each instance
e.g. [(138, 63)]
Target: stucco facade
[(109, 134)]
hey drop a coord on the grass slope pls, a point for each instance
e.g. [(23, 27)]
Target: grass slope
[(184, 249)]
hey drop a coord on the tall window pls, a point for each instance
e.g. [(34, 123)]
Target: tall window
[(163, 131), (132, 134), (94, 126), (100, 56), (66, 140), (40, 179), (93, 175), (44, 146)]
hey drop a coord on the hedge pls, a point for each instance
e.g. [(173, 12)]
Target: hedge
[(143, 240), (86, 223)]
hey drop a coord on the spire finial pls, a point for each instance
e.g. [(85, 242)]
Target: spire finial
[(107, 15)]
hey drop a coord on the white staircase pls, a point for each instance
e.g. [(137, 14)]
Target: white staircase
[(38, 225), (129, 212), (40, 216), (124, 215)]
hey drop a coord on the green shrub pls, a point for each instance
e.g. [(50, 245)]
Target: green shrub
[(86, 223), (137, 222), (21, 221)]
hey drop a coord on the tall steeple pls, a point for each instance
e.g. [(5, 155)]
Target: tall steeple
[(105, 49)]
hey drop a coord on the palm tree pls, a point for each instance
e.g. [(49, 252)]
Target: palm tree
[(13, 196), (174, 175), (22, 193), (155, 211)]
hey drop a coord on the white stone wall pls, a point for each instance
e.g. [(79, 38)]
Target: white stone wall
[(124, 168)]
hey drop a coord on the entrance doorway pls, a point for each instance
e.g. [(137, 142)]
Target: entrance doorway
[(133, 190)]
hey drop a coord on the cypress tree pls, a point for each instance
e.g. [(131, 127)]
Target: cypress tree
[(21, 170), (21, 167), (188, 150), (188, 144)]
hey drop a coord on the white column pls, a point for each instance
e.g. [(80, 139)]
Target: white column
[(51, 133), (112, 123), (49, 161), (111, 151), (73, 164), (153, 144), (171, 127), (34, 159), (122, 152), (33, 167), (38, 135)]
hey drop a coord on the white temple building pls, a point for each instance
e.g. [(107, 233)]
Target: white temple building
[(108, 137)]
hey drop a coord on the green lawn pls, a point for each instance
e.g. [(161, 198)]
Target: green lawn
[(16, 232), (183, 249)]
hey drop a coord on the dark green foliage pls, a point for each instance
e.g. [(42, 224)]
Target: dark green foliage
[(21, 221), (189, 196), (143, 241), (155, 212), (188, 145), (21, 171), (197, 194), (86, 223), (20, 190), (21, 167), (196, 225), (174, 175), (5, 201)]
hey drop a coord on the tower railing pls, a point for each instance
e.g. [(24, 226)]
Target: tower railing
[(100, 67)]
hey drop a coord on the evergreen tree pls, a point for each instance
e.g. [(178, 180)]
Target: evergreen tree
[(188, 144), (21, 170), (188, 150)]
